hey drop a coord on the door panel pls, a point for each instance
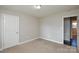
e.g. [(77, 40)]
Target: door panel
[(11, 27), (67, 29)]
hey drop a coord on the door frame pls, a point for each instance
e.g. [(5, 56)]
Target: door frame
[(3, 23), (63, 25)]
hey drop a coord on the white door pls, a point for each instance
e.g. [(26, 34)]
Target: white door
[(11, 31)]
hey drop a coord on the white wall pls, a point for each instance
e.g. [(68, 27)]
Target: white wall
[(51, 28), (28, 26)]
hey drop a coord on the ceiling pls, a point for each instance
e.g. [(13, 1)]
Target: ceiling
[(45, 10)]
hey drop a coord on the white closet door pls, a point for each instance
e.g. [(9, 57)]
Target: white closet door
[(11, 31)]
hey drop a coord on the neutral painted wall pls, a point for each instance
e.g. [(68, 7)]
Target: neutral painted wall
[(51, 27), (28, 26)]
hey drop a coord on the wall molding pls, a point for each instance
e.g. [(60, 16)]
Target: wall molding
[(21, 43), (27, 41), (52, 40)]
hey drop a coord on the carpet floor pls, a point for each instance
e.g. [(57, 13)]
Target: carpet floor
[(40, 46)]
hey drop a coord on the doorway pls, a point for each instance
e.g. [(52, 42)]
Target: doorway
[(10, 30), (70, 31)]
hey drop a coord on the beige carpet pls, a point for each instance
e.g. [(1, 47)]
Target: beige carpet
[(40, 46)]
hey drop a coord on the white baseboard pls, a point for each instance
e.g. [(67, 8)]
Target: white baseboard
[(52, 40), (21, 43), (26, 41)]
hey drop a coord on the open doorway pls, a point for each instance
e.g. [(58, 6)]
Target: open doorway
[(70, 31)]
